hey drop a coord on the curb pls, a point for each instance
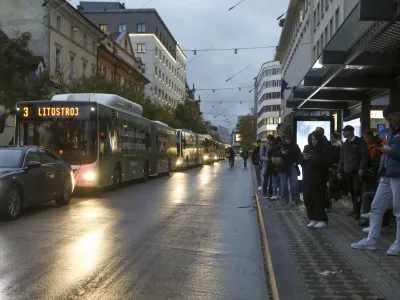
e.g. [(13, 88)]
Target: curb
[(273, 289)]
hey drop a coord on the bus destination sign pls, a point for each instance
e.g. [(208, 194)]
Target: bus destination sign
[(33, 111)]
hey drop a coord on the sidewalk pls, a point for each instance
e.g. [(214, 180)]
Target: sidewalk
[(320, 264)]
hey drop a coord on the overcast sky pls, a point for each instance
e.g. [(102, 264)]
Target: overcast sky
[(201, 24)]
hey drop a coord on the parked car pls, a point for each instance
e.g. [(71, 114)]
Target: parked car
[(32, 175)]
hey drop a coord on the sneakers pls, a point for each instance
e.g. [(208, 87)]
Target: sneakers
[(367, 229), (260, 188), (366, 216), (365, 244), (312, 224), (394, 249), (274, 198), (321, 225)]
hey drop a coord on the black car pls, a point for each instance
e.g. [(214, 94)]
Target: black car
[(32, 175)]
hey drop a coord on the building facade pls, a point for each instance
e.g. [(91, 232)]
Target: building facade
[(308, 27), (164, 62), (117, 61), (224, 135), (65, 39), (267, 93)]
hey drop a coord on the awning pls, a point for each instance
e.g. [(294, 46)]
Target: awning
[(360, 62)]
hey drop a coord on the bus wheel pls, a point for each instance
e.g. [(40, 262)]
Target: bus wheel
[(146, 171), (116, 178)]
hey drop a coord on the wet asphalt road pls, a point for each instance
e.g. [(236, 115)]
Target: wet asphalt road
[(178, 237)]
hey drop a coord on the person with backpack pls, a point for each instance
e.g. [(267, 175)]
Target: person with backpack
[(255, 159), (275, 158)]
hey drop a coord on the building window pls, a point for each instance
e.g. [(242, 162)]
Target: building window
[(72, 67), (159, 74), (103, 27), (58, 60), (121, 27), (331, 28), (155, 70), (322, 9), (337, 19), (84, 69), (58, 23), (74, 29), (327, 4), (315, 20), (141, 27), (326, 35), (322, 41), (157, 31), (318, 14), (84, 41), (156, 52), (141, 48), (318, 48)]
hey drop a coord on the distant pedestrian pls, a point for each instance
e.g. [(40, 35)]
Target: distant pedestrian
[(255, 159), (267, 179), (353, 163), (289, 171), (245, 156)]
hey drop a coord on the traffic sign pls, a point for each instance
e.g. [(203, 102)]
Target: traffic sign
[(381, 129)]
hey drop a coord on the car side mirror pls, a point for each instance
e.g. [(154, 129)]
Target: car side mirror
[(33, 165)]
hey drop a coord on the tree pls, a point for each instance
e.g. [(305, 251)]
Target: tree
[(245, 129), (17, 69)]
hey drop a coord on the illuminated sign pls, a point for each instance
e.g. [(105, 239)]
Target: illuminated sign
[(238, 137), (50, 111)]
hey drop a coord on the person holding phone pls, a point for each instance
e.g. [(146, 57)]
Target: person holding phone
[(389, 185), (316, 161)]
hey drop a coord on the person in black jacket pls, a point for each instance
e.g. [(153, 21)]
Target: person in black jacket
[(354, 160), (289, 170), (316, 162), (334, 184), (275, 158)]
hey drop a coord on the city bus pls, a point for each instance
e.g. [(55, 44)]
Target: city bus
[(189, 151), (103, 137)]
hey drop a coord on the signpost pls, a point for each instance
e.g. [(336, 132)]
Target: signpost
[(381, 129)]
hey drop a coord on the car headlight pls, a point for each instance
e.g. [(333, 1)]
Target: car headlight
[(89, 176)]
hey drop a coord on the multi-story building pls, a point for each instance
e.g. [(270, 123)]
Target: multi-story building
[(307, 29), (164, 62), (267, 93), (224, 135), (117, 61), (65, 39)]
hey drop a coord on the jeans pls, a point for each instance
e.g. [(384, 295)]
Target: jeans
[(245, 162), (274, 183), (290, 179), (267, 185), (258, 174), (388, 190)]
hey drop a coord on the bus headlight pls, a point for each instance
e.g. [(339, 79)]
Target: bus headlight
[(89, 176), (178, 162), (206, 157), (215, 157)]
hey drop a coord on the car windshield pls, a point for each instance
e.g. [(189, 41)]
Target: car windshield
[(73, 140), (10, 158)]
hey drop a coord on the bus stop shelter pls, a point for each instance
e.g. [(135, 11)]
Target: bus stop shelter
[(360, 63)]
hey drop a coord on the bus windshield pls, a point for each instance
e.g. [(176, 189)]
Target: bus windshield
[(72, 140)]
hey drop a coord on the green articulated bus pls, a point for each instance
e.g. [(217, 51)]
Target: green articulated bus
[(103, 137)]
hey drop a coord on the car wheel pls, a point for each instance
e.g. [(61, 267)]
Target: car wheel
[(116, 178), (64, 198), (14, 203)]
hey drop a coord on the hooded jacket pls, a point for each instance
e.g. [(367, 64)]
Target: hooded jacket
[(390, 163), (316, 168)]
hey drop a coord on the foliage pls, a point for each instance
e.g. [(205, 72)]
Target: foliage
[(216, 137), (17, 82), (246, 130)]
